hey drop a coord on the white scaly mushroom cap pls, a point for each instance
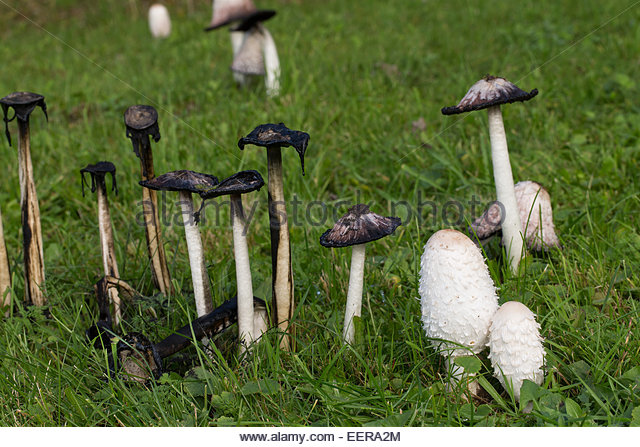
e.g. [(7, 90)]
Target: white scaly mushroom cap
[(458, 294), (159, 21), (515, 346), (534, 204)]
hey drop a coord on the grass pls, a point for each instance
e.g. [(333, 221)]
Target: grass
[(356, 75)]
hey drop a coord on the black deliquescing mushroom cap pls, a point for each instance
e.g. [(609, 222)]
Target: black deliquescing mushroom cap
[(141, 122), (100, 169), (359, 226), (487, 92), (240, 183), (277, 135), (254, 18), (22, 103), (182, 180), (137, 356)]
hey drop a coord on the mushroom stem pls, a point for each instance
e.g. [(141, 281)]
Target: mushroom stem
[(201, 289), (31, 230), (107, 245), (457, 375), (159, 269), (282, 276), (511, 226), (5, 273), (271, 63), (246, 330), (354, 295), (237, 37)]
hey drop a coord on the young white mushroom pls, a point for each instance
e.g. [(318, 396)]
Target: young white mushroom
[(489, 93), (274, 137), (159, 21), (515, 346), (240, 183), (355, 229), (458, 298), (23, 103), (5, 273), (534, 206), (186, 183)]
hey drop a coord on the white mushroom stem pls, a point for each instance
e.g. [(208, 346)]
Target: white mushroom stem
[(271, 63), (246, 330), (282, 275), (107, 245), (201, 289), (5, 273), (457, 375), (354, 295), (31, 230), (511, 226), (237, 38)]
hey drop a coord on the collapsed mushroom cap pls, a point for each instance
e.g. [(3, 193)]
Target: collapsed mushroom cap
[(457, 293), (487, 92), (182, 180), (100, 169), (239, 183), (138, 358), (515, 345), (277, 135), (229, 11), (140, 117), (534, 208), (23, 103), (359, 226)]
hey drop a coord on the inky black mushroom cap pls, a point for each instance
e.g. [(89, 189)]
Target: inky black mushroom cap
[(240, 183), (23, 103), (254, 18), (359, 226), (181, 180), (277, 135), (487, 92), (137, 356), (99, 170), (140, 117)]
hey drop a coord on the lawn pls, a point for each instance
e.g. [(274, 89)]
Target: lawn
[(366, 79)]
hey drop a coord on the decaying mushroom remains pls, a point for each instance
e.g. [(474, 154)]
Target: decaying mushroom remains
[(515, 345)]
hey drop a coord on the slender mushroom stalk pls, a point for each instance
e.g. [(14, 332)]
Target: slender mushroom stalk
[(23, 103), (141, 360), (458, 299), (159, 21), (357, 228), (142, 122), (98, 173), (186, 183), (5, 273), (489, 93), (274, 137), (241, 183)]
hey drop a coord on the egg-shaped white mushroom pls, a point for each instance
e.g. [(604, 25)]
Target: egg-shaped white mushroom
[(515, 346), (458, 296), (534, 205), (159, 21)]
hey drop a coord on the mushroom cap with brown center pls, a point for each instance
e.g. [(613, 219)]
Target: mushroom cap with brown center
[(182, 180), (487, 92), (277, 135), (359, 226)]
